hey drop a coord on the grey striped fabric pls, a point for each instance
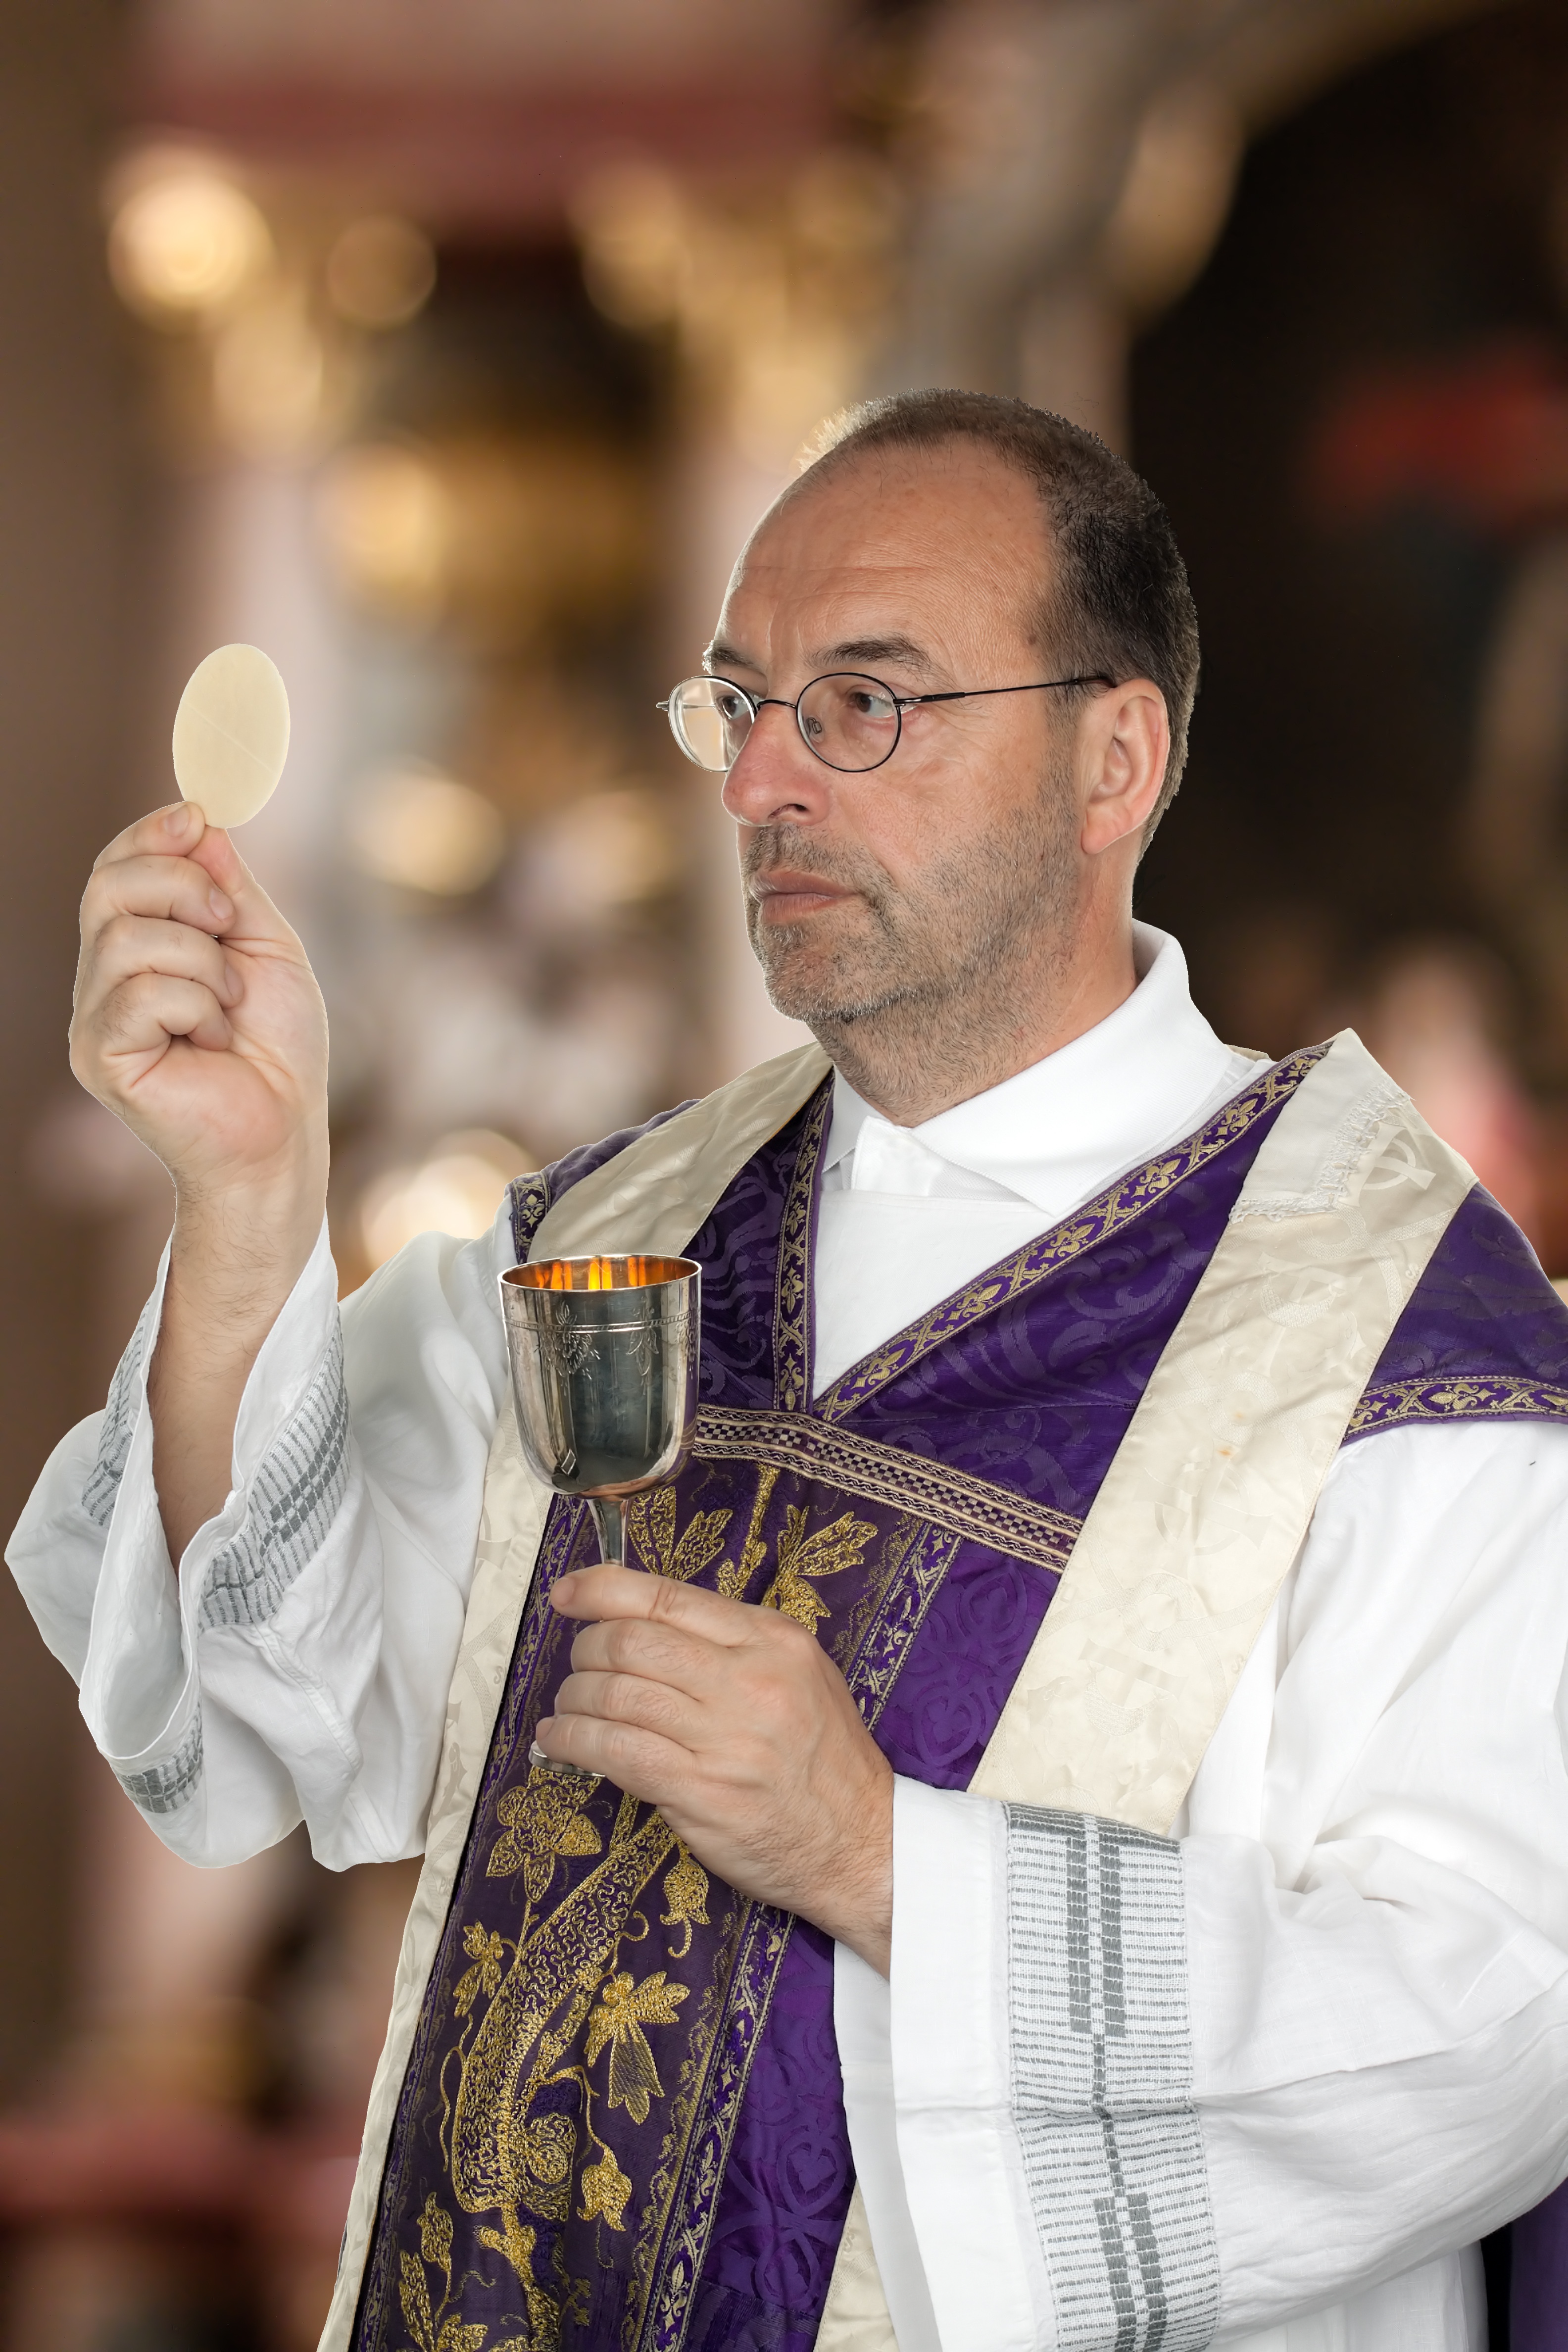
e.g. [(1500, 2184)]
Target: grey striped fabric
[(164, 1787), (294, 1498), (102, 1488), (1102, 2082)]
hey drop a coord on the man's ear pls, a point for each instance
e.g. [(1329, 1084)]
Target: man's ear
[(1124, 743)]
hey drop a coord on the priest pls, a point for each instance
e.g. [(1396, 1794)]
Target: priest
[(1068, 1844)]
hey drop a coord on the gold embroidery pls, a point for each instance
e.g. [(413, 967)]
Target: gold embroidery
[(733, 1579), (825, 1553), (545, 1819), (558, 1969), (430, 2331), (792, 1285), (606, 2190), (623, 2010), (863, 1466), (1477, 1396), (487, 1953), (685, 1892), (516, 2241), (436, 2235), (651, 1526)]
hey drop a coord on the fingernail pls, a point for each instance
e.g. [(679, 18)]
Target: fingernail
[(222, 907), (178, 818)]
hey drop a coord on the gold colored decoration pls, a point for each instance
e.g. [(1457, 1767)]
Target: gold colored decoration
[(650, 1523), (606, 2190), (487, 1952), (624, 2008), (825, 1553), (545, 1819), (685, 1892)]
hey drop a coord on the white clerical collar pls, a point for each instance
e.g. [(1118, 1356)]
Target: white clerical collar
[(1056, 1132)]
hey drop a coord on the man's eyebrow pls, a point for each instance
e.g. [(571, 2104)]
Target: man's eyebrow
[(855, 651), (719, 655)]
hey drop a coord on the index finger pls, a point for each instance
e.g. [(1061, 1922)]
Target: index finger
[(607, 1591), (182, 833)]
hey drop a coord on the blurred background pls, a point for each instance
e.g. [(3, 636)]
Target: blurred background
[(449, 354)]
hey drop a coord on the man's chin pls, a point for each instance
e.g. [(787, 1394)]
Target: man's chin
[(818, 991)]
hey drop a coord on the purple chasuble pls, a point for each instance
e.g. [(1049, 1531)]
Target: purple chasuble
[(622, 2125)]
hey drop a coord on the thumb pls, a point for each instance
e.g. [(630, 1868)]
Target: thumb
[(255, 916)]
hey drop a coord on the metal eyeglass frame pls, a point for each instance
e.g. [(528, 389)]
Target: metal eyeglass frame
[(900, 702)]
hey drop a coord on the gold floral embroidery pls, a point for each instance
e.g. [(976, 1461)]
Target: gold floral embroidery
[(487, 1953), (436, 2235), (685, 1892), (651, 1526), (623, 2010), (545, 1819), (735, 1576), (825, 1553), (606, 2190), (431, 2332)]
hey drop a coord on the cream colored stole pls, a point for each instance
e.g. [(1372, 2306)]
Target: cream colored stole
[(1191, 1535)]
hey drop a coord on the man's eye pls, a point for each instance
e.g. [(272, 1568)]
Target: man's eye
[(732, 707), (870, 706)]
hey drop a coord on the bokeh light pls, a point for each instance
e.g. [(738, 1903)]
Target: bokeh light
[(421, 830), (186, 241), (456, 1190), (380, 271)]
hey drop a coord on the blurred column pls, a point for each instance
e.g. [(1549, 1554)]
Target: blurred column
[(65, 516)]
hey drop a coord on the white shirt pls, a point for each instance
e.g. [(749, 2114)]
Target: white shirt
[(1373, 1863)]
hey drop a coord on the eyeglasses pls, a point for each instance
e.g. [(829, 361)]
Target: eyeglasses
[(849, 721)]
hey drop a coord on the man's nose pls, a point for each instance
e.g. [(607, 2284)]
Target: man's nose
[(775, 780)]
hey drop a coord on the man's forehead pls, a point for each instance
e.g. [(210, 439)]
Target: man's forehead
[(863, 556)]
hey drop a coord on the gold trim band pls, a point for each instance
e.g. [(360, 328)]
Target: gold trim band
[(963, 1505)]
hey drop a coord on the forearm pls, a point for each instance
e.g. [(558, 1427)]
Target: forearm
[(234, 1260)]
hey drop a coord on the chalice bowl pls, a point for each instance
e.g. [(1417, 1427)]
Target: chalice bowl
[(603, 1354)]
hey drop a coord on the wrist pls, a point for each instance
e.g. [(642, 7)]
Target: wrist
[(863, 1905), (237, 1252)]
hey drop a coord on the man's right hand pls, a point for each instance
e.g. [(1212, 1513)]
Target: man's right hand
[(198, 1022)]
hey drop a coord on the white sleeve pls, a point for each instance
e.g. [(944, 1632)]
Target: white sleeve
[(1319, 2039), (299, 1665)]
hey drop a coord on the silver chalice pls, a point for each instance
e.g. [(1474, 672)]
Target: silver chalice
[(603, 1354)]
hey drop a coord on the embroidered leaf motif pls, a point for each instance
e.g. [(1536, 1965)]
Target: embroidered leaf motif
[(435, 2234), (733, 1579), (414, 2297), (685, 1892), (543, 1821), (651, 1524), (623, 2010), (487, 1953), (462, 2336), (604, 2192), (830, 1549)]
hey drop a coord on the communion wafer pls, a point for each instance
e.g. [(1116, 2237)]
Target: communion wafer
[(231, 734)]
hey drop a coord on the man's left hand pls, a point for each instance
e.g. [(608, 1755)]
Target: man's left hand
[(734, 1722)]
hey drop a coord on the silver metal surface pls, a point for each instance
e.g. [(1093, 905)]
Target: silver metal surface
[(603, 1354)]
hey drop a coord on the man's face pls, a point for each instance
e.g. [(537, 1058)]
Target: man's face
[(933, 875)]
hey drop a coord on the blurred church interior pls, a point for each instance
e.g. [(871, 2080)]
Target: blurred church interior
[(449, 355)]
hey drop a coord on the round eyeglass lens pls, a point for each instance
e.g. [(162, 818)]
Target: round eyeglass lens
[(849, 721), (711, 720)]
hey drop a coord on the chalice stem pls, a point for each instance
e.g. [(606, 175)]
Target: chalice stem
[(610, 1522)]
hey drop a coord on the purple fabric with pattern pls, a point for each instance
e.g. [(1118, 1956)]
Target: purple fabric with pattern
[(1034, 1397)]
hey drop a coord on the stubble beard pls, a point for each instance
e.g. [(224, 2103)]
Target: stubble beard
[(921, 978)]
